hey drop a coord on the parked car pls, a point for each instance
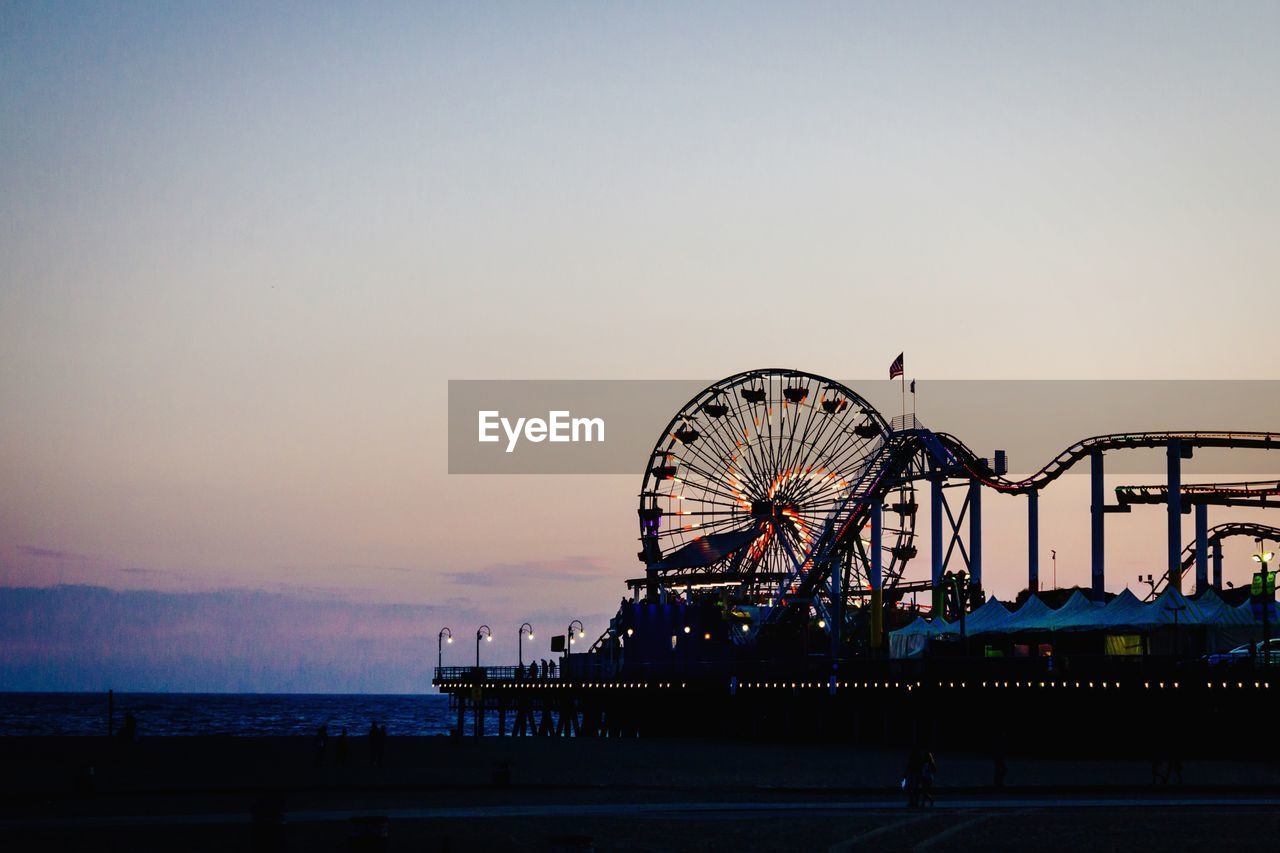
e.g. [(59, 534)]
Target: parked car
[(1246, 653)]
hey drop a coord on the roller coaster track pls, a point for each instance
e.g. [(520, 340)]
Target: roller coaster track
[(1060, 464), (1263, 493), (1217, 533), (954, 459)]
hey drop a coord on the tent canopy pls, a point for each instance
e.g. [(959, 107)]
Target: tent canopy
[(1124, 613)]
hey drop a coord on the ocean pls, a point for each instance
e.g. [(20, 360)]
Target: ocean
[(246, 714)]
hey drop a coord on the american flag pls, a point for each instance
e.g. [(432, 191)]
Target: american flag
[(895, 369)]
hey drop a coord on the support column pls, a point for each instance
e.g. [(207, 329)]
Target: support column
[(837, 599), (937, 521), (1202, 547), (1097, 511), (876, 579), (1033, 540), (1217, 564), (1174, 453), (975, 537)]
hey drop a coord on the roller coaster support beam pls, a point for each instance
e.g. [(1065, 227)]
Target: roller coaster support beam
[(1098, 513), (936, 523), (1217, 564), (1202, 548), (975, 539), (1174, 452), (837, 597), (1033, 540), (876, 580)]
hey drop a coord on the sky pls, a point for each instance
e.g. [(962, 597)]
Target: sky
[(244, 246)]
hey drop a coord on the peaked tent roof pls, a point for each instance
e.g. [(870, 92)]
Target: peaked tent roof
[(926, 628), (1246, 610), (1079, 612), (988, 618), (1123, 611), (1033, 615), (1171, 607), (1218, 612)]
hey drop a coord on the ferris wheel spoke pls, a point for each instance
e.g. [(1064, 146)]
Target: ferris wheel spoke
[(741, 451)]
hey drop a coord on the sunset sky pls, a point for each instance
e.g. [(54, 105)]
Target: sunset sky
[(243, 247)]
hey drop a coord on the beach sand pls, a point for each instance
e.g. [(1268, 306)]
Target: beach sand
[(631, 794)]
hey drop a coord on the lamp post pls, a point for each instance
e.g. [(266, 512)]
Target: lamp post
[(484, 633), (526, 628), (568, 641), (444, 634), (1266, 591)]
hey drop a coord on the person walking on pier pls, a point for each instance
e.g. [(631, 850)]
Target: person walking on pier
[(928, 770), (911, 777)]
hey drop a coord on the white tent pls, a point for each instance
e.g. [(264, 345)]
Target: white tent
[(911, 641)]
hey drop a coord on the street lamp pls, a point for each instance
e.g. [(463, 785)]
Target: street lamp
[(526, 628), (482, 632), (1266, 593), (444, 634), (582, 632)]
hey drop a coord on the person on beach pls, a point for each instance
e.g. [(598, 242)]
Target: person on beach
[(928, 770), (321, 743), (340, 749), (911, 777), (377, 743)]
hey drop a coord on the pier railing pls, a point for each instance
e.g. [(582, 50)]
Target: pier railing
[(474, 674), (1084, 668)]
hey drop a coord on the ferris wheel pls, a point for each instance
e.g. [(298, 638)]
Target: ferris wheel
[(743, 481)]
